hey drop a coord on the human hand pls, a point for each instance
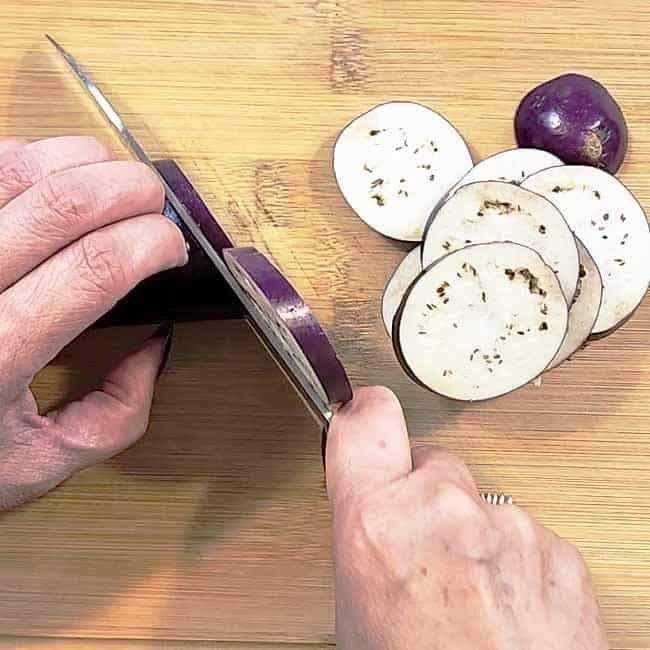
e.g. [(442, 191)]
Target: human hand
[(422, 562), (78, 231)]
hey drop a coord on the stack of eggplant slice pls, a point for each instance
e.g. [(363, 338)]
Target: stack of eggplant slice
[(519, 259)]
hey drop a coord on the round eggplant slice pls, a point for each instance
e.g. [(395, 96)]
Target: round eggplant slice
[(491, 211), (395, 163), (409, 268), (481, 321), (608, 219), (511, 166), (194, 204), (293, 322), (584, 310)]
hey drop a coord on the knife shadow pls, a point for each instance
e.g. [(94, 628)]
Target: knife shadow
[(228, 439)]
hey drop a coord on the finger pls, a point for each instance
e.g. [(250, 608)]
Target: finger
[(368, 444), (435, 465), (12, 143), (65, 206), (108, 420), (567, 570), (22, 167), (45, 451), (524, 543), (48, 308)]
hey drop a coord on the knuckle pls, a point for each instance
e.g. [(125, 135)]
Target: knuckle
[(368, 536), (524, 528), (468, 528), (451, 497), (99, 268), (446, 464), (363, 523), (18, 171), (574, 566), (65, 199)]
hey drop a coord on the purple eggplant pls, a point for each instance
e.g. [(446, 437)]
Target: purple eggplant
[(296, 328), (575, 118), (191, 293)]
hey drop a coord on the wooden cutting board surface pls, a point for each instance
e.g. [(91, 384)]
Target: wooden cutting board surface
[(215, 526)]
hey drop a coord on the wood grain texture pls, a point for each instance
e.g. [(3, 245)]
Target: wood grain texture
[(49, 643), (215, 526)]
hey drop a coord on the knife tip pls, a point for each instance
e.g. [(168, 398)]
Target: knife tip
[(49, 38)]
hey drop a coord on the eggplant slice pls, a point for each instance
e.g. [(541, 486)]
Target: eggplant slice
[(611, 224), (510, 166), (289, 316), (395, 163), (491, 211), (585, 308), (408, 269), (481, 321)]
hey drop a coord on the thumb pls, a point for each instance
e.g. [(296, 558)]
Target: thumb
[(108, 420), (367, 444)]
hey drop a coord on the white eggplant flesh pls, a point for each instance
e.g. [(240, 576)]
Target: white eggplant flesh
[(394, 164), (612, 225), (584, 309), (496, 211), (510, 166), (407, 270), (481, 321)]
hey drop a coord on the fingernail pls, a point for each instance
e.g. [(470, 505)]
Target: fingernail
[(165, 332), (323, 447)]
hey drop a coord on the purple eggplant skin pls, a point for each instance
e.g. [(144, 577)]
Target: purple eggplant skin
[(575, 118), (195, 292), (194, 204), (299, 319)]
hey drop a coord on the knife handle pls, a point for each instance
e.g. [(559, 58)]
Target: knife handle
[(193, 292)]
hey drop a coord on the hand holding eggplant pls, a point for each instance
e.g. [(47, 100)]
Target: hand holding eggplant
[(78, 231), (421, 561)]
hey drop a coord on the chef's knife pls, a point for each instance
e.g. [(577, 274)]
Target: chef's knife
[(210, 238)]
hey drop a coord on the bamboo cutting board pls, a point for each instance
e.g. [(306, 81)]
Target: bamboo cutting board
[(215, 526)]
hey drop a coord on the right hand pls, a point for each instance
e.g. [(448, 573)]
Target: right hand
[(422, 562), (78, 231)]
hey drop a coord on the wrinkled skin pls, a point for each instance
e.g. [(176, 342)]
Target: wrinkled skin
[(423, 563), (78, 230)]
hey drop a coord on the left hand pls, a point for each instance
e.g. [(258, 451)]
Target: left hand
[(78, 231)]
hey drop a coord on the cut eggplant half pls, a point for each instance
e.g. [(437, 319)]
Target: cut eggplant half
[(395, 163), (608, 219), (195, 206), (409, 268), (194, 292), (481, 321), (511, 166), (496, 211), (292, 323), (584, 310)]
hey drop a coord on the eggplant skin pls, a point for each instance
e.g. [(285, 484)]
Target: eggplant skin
[(195, 292), (280, 303), (575, 118)]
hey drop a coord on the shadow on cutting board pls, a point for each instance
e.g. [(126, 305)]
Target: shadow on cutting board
[(230, 454)]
